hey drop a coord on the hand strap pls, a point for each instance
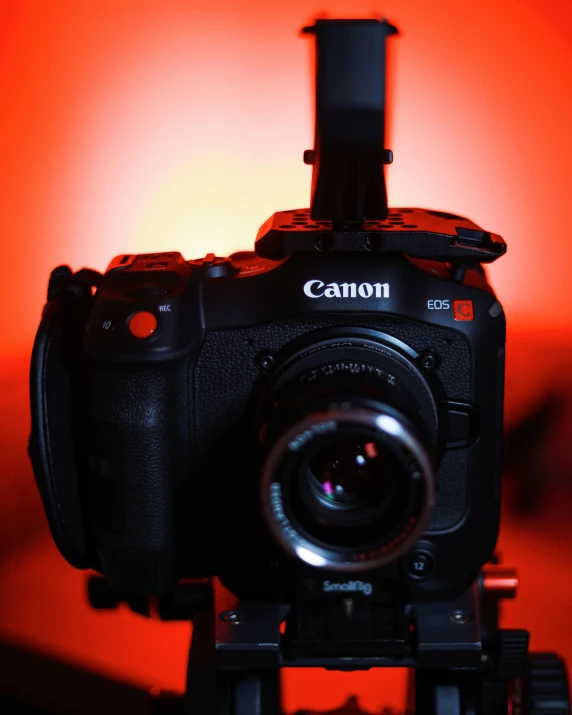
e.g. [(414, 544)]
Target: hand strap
[(55, 380)]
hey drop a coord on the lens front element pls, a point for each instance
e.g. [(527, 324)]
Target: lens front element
[(353, 478), (348, 489)]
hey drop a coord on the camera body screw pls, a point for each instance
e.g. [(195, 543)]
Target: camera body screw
[(460, 617), (372, 242), (264, 361), (323, 242), (233, 617), (429, 360)]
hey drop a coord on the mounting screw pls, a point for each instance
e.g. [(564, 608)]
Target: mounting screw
[(348, 604), (372, 242), (460, 617), (429, 361), (231, 617), (264, 361), (323, 242)]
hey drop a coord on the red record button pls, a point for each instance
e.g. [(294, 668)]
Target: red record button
[(142, 324)]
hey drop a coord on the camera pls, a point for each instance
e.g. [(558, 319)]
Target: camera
[(322, 415), (297, 448)]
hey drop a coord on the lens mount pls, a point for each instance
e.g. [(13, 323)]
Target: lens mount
[(367, 524)]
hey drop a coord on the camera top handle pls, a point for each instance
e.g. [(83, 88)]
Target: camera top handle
[(348, 183), (349, 211)]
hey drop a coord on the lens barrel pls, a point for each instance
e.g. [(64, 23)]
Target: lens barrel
[(348, 477)]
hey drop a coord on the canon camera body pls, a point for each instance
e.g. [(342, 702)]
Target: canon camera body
[(322, 413)]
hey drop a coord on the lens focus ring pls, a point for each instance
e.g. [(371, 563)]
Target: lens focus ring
[(334, 458)]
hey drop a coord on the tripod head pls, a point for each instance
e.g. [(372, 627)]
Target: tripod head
[(348, 183)]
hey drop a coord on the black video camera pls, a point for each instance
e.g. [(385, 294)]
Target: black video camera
[(324, 413)]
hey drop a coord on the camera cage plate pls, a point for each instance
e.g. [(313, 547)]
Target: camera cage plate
[(420, 233)]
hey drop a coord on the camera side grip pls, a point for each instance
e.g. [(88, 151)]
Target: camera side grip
[(53, 392)]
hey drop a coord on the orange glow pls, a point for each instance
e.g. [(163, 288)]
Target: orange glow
[(149, 125), (170, 124)]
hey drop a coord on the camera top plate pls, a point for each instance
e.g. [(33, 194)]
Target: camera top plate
[(349, 211), (420, 233)]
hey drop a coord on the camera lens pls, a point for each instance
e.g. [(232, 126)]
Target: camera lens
[(353, 479), (348, 477)]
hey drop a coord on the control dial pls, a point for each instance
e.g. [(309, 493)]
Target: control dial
[(212, 266)]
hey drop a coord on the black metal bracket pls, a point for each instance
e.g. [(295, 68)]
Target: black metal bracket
[(239, 648), (420, 233), (439, 635)]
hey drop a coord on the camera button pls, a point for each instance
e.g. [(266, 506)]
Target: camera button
[(420, 564), (142, 324)]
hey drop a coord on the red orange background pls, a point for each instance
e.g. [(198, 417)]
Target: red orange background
[(149, 124), (161, 124)]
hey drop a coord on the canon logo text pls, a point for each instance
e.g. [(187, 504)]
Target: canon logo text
[(318, 289)]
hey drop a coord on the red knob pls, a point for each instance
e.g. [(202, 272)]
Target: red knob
[(500, 581)]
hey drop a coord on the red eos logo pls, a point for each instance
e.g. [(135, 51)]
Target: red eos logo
[(463, 309)]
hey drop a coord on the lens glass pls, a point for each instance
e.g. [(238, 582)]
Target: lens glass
[(351, 489), (353, 477)]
